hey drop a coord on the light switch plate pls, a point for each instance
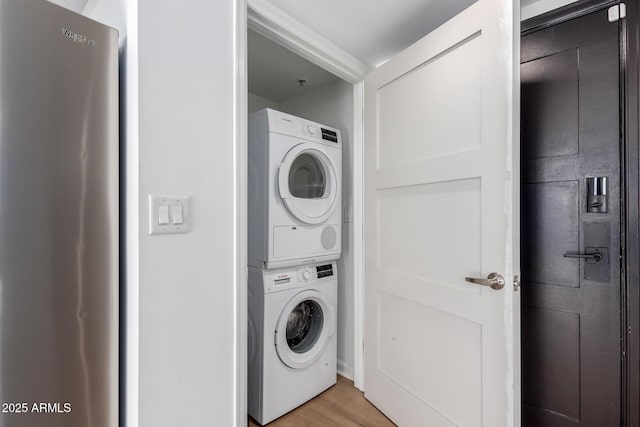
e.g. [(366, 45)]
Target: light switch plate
[(156, 201)]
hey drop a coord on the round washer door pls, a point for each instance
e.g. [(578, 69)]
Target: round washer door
[(308, 183), (303, 330)]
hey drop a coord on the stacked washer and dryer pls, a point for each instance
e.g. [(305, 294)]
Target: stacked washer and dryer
[(294, 239)]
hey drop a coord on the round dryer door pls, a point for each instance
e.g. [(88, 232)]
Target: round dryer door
[(308, 183), (303, 330)]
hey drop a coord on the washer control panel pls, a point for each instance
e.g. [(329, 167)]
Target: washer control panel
[(276, 280), (309, 274)]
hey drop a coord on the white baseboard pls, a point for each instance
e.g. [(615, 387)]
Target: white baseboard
[(345, 370)]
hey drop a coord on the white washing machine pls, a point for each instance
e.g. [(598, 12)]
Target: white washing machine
[(295, 201), (292, 343)]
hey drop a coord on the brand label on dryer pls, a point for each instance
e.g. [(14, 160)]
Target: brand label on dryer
[(286, 123)]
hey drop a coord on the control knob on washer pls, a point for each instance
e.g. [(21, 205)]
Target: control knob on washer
[(306, 275)]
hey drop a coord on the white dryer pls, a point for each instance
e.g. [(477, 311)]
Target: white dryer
[(295, 202), (292, 344)]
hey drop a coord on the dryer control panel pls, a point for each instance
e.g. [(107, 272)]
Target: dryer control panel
[(287, 124)]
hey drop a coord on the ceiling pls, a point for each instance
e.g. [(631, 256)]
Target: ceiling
[(75, 5), (274, 71), (372, 30)]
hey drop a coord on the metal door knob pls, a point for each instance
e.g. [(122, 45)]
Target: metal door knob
[(493, 280)]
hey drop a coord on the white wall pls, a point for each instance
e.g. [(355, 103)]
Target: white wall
[(332, 105), (257, 102), (187, 282), (539, 7), (75, 5)]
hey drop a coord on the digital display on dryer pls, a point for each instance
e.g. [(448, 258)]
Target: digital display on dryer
[(329, 135), (324, 270)]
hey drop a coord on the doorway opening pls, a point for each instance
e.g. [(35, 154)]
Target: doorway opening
[(281, 80), (441, 58)]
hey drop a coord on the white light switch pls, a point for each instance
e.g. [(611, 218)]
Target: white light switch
[(163, 214), (176, 214), (169, 214)]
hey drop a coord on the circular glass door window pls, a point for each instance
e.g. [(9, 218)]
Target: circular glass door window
[(304, 329), (304, 326), (308, 183), (307, 178)]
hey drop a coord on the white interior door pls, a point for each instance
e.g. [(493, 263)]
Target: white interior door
[(441, 203)]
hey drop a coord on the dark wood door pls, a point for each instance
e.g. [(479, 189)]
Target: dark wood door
[(571, 348)]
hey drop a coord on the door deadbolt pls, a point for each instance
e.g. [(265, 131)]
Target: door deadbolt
[(597, 194)]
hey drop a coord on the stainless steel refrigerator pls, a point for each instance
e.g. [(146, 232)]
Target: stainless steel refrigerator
[(59, 230)]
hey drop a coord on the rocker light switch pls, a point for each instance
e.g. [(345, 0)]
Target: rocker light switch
[(163, 214), (176, 214), (169, 214)]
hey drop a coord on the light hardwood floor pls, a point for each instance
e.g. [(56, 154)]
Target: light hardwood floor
[(341, 405)]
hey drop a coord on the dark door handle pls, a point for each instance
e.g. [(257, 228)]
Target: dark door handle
[(596, 256), (592, 255)]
